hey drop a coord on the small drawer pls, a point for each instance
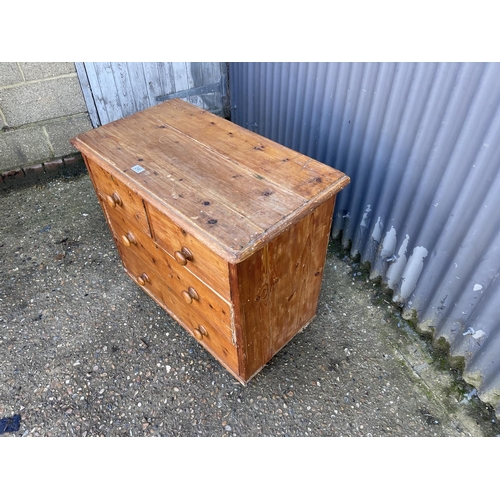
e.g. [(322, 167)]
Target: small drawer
[(117, 199), (201, 324), (186, 291), (189, 252)]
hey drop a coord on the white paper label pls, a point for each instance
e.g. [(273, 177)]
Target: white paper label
[(138, 169)]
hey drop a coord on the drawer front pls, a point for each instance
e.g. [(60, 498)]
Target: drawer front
[(117, 198), (189, 252), (196, 300), (166, 292)]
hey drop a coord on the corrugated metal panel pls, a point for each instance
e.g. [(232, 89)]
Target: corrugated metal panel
[(113, 90), (420, 142)]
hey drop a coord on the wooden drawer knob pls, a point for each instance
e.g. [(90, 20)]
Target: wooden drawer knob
[(200, 332), (183, 256), (143, 279), (190, 294), (193, 293), (114, 200), (129, 239)]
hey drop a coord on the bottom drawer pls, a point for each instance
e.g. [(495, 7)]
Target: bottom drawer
[(156, 287), (205, 306)]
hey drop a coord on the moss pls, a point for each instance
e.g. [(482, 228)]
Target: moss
[(335, 248), (457, 363), (441, 346), (437, 348)]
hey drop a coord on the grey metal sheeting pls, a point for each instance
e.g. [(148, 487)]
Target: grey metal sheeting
[(421, 143)]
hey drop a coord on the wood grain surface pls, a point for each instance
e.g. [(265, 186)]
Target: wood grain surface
[(232, 189), (224, 229), (276, 290)]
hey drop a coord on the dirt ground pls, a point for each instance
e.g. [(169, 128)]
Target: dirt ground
[(84, 352)]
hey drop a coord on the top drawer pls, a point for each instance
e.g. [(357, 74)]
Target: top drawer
[(189, 252), (120, 200)]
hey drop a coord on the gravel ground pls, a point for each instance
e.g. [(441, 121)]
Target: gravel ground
[(84, 352)]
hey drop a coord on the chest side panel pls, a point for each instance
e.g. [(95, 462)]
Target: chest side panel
[(277, 289), (296, 264)]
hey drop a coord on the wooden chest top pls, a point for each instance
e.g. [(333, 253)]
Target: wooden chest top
[(232, 189)]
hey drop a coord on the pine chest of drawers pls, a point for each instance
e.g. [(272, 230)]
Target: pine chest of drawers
[(224, 229)]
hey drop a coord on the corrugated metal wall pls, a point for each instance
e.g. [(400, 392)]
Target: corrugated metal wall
[(421, 143)]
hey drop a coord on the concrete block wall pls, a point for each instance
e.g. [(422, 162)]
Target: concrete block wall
[(41, 108)]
